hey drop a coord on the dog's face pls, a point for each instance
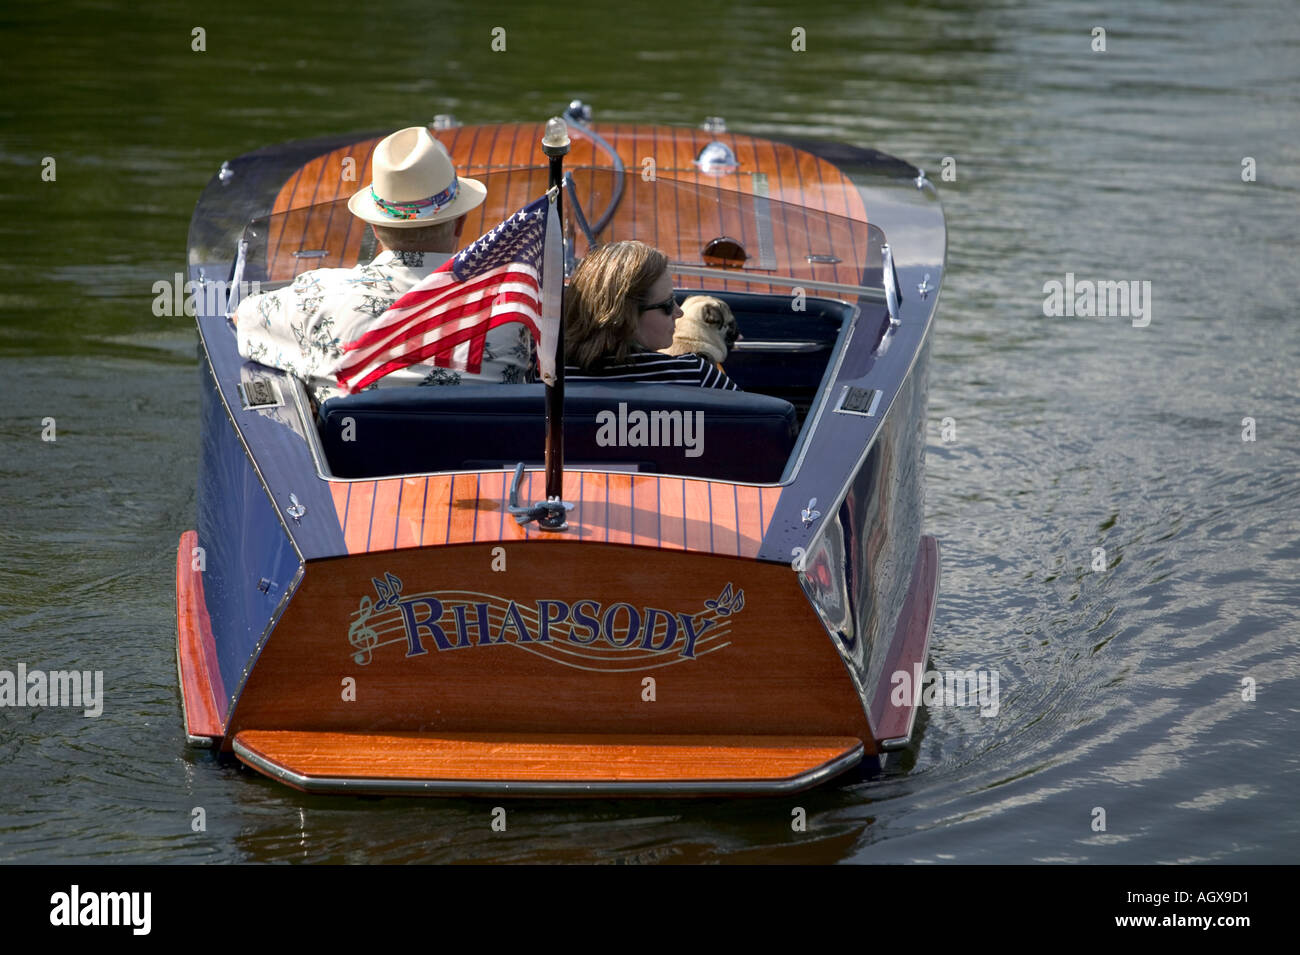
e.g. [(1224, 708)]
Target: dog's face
[(709, 315)]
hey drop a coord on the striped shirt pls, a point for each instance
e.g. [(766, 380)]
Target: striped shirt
[(651, 366)]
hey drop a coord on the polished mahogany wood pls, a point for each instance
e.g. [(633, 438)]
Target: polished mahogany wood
[(499, 757), (766, 669), (797, 183), (201, 684), (644, 510)]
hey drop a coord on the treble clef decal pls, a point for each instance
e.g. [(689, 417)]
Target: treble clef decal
[(361, 635)]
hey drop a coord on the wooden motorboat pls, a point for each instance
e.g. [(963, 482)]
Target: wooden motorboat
[(365, 615)]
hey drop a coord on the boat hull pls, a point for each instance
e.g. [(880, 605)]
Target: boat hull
[(687, 636)]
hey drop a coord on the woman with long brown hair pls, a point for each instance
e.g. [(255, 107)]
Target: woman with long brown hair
[(619, 310)]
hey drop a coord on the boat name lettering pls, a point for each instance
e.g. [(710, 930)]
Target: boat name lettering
[(458, 620), (620, 625)]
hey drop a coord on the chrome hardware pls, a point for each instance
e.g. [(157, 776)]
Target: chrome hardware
[(893, 299), (260, 392), (578, 112), (782, 346), (311, 253), (817, 258), (575, 204), (236, 278), (716, 158), (225, 174), (550, 514), (265, 585), (810, 513), (920, 180), (925, 288), (859, 401), (714, 124), (445, 121), (296, 508)]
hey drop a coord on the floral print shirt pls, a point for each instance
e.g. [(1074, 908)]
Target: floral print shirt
[(302, 327)]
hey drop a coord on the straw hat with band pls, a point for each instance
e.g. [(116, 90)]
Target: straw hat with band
[(415, 184)]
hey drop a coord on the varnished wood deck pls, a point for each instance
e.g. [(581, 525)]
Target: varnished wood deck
[(645, 510), (478, 762), (798, 183)]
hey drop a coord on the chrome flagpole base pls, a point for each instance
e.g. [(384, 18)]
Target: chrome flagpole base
[(550, 515)]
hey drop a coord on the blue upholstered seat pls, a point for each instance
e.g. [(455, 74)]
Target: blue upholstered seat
[(662, 429)]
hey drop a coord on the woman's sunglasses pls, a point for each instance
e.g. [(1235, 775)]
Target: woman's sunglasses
[(668, 305)]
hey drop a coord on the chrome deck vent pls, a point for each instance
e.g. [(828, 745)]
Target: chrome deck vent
[(716, 159), (862, 401)]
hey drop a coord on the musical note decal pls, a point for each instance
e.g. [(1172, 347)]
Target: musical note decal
[(361, 635), (389, 590), (726, 604)]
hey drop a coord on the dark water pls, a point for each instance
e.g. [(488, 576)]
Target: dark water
[(1120, 689)]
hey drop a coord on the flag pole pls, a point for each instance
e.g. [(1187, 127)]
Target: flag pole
[(555, 143)]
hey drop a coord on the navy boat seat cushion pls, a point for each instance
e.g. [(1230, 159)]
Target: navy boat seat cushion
[(661, 429)]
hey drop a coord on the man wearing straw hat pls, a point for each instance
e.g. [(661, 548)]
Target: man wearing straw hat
[(417, 206)]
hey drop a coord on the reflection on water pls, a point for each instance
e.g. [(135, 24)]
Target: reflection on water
[(1120, 688)]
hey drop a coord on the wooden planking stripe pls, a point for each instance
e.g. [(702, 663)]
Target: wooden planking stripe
[(473, 224), (356, 229), (672, 510), (306, 220), (777, 193), (749, 520), (790, 162), (722, 519), (618, 494), (503, 499), (292, 187), (696, 511), (340, 491), (437, 493), (744, 183), (357, 531), (807, 171), (464, 508), (410, 512), (383, 518), (841, 210)]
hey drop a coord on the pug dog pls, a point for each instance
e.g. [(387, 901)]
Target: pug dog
[(706, 328)]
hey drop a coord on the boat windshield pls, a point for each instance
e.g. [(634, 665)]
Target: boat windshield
[(821, 235)]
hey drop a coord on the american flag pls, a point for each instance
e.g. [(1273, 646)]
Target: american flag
[(445, 319)]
